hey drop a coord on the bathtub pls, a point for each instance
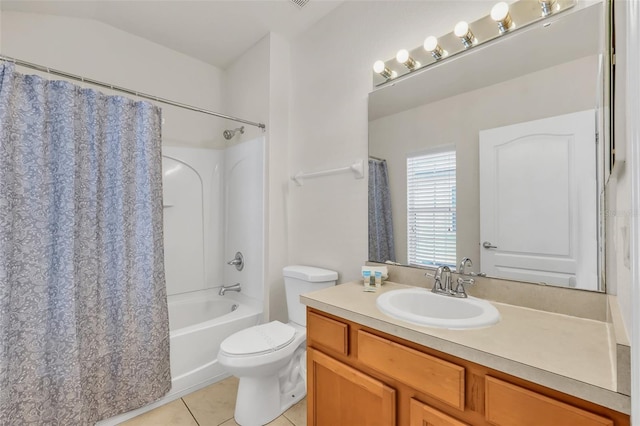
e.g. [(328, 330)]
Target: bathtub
[(199, 322)]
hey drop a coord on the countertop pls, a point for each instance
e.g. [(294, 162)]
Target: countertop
[(569, 354)]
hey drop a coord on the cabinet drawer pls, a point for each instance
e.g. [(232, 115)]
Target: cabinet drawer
[(507, 404), (328, 333), (427, 374)]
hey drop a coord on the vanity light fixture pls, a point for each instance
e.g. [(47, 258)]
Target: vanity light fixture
[(403, 57), (547, 6), (500, 14), (508, 15), (380, 68), (431, 45), (463, 31)]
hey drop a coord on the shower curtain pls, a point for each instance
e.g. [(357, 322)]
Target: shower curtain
[(381, 246), (84, 329)]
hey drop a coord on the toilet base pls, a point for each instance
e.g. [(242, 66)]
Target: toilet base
[(260, 400)]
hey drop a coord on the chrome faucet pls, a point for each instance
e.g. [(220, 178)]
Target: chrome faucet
[(464, 263), (442, 278), (224, 289)]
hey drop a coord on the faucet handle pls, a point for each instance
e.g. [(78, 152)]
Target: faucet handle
[(469, 281), (460, 291), (437, 285), (237, 261)]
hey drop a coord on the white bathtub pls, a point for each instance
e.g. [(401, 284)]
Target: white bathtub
[(199, 322)]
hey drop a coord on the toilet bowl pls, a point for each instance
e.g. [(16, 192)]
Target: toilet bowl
[(269, 359)]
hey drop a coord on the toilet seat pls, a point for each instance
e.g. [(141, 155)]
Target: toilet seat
[(259, 339)]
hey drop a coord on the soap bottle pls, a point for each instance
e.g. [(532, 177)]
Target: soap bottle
[(366, 275), (378, 278)]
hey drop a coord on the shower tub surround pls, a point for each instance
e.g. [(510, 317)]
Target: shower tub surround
[(212, 208)]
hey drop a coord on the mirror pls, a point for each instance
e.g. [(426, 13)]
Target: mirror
[(494, 155)]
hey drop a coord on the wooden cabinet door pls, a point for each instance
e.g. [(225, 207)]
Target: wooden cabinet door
[(421, 414), (510, 405), (340, 395)]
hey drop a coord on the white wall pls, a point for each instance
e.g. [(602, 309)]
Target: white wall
[(331, 78), (92, 49), (278, 215), (632, 63), (245, 90), (256, 87), (618, 209)]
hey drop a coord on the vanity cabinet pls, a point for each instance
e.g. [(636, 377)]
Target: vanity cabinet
[(362, 376)]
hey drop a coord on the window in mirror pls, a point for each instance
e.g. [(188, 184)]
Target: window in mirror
[(431, 208)]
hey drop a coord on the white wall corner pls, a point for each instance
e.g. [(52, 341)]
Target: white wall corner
[(258, 87), (278, 166), (633, 151)]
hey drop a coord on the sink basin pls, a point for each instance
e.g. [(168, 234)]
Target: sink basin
[(422, 307)]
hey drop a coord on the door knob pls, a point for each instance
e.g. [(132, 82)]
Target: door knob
[(488, 245)]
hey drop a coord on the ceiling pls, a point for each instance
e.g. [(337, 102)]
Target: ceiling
[(216, 32)]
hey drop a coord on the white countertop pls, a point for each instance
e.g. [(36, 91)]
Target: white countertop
[(569, 354)]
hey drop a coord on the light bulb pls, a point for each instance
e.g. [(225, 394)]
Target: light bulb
[(402, 56), (461, 29), (499, 11), (500, 14), (430, 43), (378, 66)]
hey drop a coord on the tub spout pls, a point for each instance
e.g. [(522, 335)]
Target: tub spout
[(224, 289)]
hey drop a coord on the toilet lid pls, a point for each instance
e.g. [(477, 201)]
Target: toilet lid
[(259, 339)]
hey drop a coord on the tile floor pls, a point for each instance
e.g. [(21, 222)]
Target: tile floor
[(211, 406)]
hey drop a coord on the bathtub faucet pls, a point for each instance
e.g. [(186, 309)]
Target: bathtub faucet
[(224, 288)]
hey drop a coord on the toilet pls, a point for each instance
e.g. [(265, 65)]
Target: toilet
[(270, 359)]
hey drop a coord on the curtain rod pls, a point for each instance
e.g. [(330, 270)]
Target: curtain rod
[(125, 90)]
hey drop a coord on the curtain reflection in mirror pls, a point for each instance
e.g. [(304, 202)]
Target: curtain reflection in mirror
[(381, 247)]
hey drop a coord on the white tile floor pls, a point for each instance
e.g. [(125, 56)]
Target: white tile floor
[(211, 406)]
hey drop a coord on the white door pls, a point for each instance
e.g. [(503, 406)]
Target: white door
[(538, 201)]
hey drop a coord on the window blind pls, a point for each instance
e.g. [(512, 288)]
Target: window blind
[(431, 209)]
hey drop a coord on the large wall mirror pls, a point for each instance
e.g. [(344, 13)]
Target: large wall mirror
[(498, 154)]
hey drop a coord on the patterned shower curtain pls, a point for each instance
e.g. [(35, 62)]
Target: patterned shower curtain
[(381, 245), (84, 329)]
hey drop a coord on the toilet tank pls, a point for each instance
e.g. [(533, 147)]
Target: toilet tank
[(300, 279)]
